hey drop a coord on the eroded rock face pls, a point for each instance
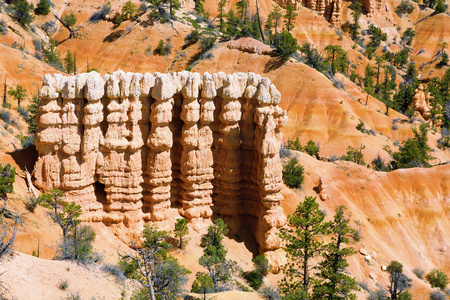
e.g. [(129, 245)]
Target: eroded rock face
[(421, 103), (137, 148), (329, 9), (373, 7)]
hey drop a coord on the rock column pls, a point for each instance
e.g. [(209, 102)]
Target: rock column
[(269, 119), (48, 136), (91, 87), (228, 161), (160, 140)]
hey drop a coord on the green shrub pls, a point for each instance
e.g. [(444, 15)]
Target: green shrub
[(418, 272), (5, 116), (42, 8), (207, 42), (254, 279), (405, 7), (21, 12), (355, 155), (437, 278), (294, 145), (63, 285), (293, 173), (437, 295), (285, 44), (311, 148), (414, 152)]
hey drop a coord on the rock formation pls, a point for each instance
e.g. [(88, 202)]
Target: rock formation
[(373, 7), (420, 103), (329, 9), (136, 148)]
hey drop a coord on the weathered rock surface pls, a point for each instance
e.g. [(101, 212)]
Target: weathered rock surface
[(329, 9), (134, 148), (421, 103)]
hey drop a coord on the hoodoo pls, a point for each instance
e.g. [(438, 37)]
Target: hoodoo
[(134, 148)]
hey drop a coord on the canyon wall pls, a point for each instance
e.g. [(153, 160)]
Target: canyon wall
[(136, 148)]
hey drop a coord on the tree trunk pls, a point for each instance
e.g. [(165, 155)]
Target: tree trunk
[(259, 22), (4, 93)]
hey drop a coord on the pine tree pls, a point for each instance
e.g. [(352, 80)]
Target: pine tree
[(399, 282), (21, 12), (42, 8), (214, 254), (357, 10), (221, 9), (7, 178), (338, 57), (388, 87), (69, 62), (289, 16), (334, 283), (181, 229), (129, 9), (368, 81), (33, 110), (285, 44), (303, 243), (276, 16), (19, 93)]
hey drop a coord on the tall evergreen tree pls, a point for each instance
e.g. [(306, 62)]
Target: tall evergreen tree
[(368, 81), (214, 254), (276, 16), (388, 86), (289, 16), (221, 9), (42, 8), (69, 62), (399, 282), (354, 28), (338, 57), (303, 243), (334, 283)]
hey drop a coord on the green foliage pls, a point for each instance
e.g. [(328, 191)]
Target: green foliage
[(5, 116), (405, 7), (199, 8), (354, 27), (33, 110), (3, 28), (376, 37), (408, 36), (313, 58), (181, 229), (293, 173), (78, 245), (164, 47), (440, 7), (63, 285), (192, 37), (69, 62), (129, 9), (334, 283), (399, 282), (430, 3), (221, 10), (19, 93), (303, 243), (294, 145), (7, 178), (69, 19), (437, 295), (160, 274), (42, 8), (418, 272), (64, 214), (387, 87), (262, 268), (289, 16), (203, 284), (52, 56), (355, 155), (118, 20), (285, 44), (414, 152), (207, 42), (22, 12), (338, 58), (401, 58), (438, 279), (311, 148), (214, 255)]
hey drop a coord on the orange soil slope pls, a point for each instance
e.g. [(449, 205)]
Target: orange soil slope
[(404, 215)]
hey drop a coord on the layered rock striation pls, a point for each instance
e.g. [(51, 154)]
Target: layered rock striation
[(135, 148)]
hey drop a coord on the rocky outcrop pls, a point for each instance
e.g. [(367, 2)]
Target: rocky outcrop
[(329, 9), (373, 7), (136, 148), (421, 103)]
